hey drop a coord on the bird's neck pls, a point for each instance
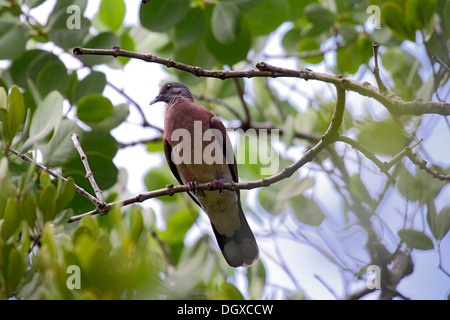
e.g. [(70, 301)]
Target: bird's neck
[(183, 96)]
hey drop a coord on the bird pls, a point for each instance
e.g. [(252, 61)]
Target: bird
[(223, 207)]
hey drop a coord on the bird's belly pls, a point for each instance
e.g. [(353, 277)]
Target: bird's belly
[(222, 209)]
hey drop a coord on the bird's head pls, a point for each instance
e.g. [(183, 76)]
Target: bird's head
[(172, 90)]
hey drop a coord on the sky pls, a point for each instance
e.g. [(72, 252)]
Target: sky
[(312, 272)]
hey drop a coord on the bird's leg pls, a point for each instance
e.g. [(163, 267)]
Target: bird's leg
[(218, 184), (193, 186)]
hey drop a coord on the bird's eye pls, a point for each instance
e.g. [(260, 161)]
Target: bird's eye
[(168, 87)]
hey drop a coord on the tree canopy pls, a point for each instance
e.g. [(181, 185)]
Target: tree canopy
[(353, 95)]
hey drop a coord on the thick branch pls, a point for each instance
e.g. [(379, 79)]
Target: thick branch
[(391, 101)]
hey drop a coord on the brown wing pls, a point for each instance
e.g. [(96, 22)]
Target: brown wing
[(173, 167), (216, 123)]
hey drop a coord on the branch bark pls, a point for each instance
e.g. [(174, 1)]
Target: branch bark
[(391, 101)]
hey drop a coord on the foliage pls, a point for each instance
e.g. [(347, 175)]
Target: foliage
[(126, 254)]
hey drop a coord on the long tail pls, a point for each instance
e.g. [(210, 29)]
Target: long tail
[(241, 248)]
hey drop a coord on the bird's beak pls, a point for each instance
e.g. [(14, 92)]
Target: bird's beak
[(157, 99)]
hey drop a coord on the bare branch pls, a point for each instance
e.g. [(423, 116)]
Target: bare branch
[(390, 100), (89, 175), (422, 164), (376, 70), (55, 175)]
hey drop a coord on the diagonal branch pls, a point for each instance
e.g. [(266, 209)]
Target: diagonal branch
[(51, 172), (89, 175)]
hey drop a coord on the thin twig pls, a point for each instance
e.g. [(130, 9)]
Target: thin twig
[(89, 174), (441, 62), (376, 69), (422, 164), (55, 175), (240, 92)]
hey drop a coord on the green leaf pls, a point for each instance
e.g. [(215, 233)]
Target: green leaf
[(290, 40), (66, 195), (266, 17), (320, 17), (28, 210), (351, 57), (307, 210), (443, 222), (358, 189), (192, 28), (308, 44), (158, 178), (155, 146), (112, 12), (94, 83), (177, 226), (53, 76), (416, 239), (225, 22), (15, 269), (432, 218), (394, 17), (383, 137), (234, 51), (296, 188), (136, 223), (160, 16), (16, 112), (229, 292), (119, 115), (3, 99), (419, 13), (47, 202), (11, 219), (126, 43), (94, 108), (48, 240), (13, 38), (46, 118), (197, 55), (412, 186), (256, 276), (60, 148)]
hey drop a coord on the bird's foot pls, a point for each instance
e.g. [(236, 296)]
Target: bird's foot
[(218, 184), (193, 186)]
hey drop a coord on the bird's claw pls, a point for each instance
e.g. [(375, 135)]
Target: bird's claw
[(193, 186), (219, 184)]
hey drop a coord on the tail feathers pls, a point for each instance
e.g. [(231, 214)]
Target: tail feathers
[(241, 249)]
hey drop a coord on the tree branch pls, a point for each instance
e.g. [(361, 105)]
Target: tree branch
[(89, 175), (55, 175), (391, 101)]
